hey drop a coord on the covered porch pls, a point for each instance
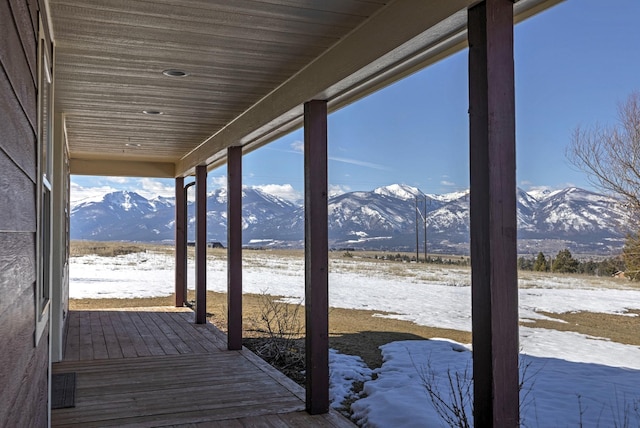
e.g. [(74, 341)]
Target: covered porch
[(156, 367), (177, 89)]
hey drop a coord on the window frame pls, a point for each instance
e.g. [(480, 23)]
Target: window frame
[(44, 167)]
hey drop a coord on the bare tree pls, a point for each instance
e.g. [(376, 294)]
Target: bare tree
[(610, 155), (611, 158)]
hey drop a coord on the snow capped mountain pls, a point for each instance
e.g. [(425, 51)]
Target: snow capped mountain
[(526, 209), (258, 208), (588, 220), (577, 210), (161, 201), (385, 218), (123, 216), (448, 197), (540, 193), (399, 191)]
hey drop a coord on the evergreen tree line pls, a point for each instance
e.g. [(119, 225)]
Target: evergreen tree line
[(439, 260), (564, 262)]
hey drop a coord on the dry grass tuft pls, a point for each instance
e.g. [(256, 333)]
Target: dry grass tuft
[(113, 249), (617, 328)]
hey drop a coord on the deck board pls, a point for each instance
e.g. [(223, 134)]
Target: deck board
[(97, 336), (126, 344), (148, 337), (130, 331), (84, 339), (149, 367), (114, 349), (72, 342)]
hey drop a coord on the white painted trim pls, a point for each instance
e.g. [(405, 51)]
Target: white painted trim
[(47, 12), (42, 313), (60, 211)]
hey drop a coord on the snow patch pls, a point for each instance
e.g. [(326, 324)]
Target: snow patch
[(400, 191)]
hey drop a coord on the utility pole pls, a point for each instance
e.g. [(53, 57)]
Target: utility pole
[(424, 221), (421, 214), (417, 242)]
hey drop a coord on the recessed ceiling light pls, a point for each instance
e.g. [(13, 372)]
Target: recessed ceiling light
[(174, 72), (152, 112), (133, 145)]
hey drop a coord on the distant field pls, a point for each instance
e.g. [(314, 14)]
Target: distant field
[(618, 327), (260, 257), (115, 248), (112, 249)]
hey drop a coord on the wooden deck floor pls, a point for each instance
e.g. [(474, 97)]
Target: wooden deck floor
[(154, 367)]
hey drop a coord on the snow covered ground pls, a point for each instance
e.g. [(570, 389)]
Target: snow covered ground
[(575, 380)]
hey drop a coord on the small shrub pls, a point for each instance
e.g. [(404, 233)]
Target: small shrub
[(281, 345), (454, 405)]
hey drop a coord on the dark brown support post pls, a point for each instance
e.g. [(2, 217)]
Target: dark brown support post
[(181, 244), (201, 244), (493, 214), (234, 248), (316, 257)]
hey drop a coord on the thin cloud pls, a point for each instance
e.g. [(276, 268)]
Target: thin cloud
[(447, 183), (273, 149), (297, 146), (338, 189), (284, 191), (118, 180), (360, 163), (80, 194), (151, 188), (219, 181)]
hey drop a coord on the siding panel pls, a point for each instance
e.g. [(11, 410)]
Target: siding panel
[(16, 332), (33, 392), (27, 32), (17, 265), (33, 12), (14, 61), (23, 366), (17, 198), (15, 130)]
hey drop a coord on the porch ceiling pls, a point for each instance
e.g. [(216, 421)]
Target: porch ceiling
[(251, 65)]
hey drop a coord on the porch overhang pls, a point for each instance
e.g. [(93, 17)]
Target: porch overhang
[(251, 68)]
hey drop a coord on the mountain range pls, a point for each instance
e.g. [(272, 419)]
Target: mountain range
[(383, 219)]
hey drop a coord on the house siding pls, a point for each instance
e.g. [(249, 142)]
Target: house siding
[(23, 364)]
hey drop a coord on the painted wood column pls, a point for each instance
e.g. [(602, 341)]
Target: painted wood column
[(234, 248), (181, 243), (316, 257), (494, 279), (201, 244)]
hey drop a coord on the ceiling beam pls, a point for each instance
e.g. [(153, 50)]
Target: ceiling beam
[(119, 168)]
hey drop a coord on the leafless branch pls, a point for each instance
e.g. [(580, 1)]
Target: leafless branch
[(610, 155)]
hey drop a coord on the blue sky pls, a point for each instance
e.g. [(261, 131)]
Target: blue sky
[(574, 63)]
